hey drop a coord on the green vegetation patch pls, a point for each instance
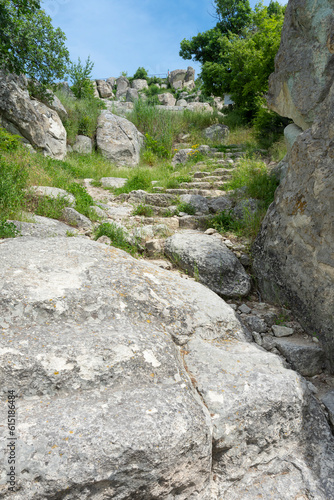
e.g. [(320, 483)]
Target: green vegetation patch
[(117, 235)]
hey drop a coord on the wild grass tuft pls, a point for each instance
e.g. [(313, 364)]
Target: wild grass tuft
[(117, 235)]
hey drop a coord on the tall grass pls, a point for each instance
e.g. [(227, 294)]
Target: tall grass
[(82, 115), (254, 176), (165, 126)]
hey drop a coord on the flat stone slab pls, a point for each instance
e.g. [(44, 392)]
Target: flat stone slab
[(210, 261), (305, 357), (257, 409), (116, 182), (87, 341), (52, 192)]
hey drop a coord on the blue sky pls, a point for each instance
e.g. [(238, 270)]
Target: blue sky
[(121, 35)]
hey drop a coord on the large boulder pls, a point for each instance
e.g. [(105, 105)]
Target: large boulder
[(304, 68), (210, 261), (122, 85), (136, 383), (107, 407), (139, 84), (293, 253), (104, 89), (38, 124), (83, 144), (167, 99), (118, 139)]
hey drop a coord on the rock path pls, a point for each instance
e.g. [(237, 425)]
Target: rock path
[(136, 381)]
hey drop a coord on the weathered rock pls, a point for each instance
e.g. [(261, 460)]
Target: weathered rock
[(54, 103), (199, 106), (182, 102), (216, 132), (255, 324), (305, 357), (282, 331), (118, 139), (122, 85), (131, 95), (291, 132), (328, 400), (116, 182), (182, 156), (43, 227), (210, 261), (177, 77), (139, 84), (52, 192), (293, 253), (241, 384), (111, 81), (83, 145), (303, 66), (167, 99), (33, 120), (76, 219), (198, 202), (220, 203), (96, 92), (190, 74), (104, 89)]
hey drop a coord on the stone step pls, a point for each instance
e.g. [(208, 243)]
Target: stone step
[(202, 185), (215, 178)]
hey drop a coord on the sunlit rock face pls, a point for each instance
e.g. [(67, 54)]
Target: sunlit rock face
[(294, 251)]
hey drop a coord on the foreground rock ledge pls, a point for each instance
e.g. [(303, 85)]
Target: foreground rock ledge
[(120, 367)]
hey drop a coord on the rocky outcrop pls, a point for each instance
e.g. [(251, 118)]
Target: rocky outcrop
[(38, 124), (304, 67), (180, 78), (136, 383), (104, 89), (83, 144), (294, 251), (122, 86), (139, 84), (167, 99), (118, 139)]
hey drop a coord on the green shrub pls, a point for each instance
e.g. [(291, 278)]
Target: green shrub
[(269, 127), (187, 208), (80, 75), (47, 207), (83, 201), (117, 236), (141, 74), (13, 181), (145, 210), (8, 230), (141, 179), (82, 115), (255, 176), (8, 142)]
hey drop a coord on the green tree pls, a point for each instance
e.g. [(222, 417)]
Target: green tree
[(29, 44), (81, 75), (140, 74), (240, 63), (233, 16)]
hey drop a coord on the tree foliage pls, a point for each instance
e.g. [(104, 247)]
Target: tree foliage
[(81, 76), (140, 74), (237, 55), (29, 44)]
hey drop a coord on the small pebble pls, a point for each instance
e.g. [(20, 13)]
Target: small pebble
[(244, 309), (314, 339)]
